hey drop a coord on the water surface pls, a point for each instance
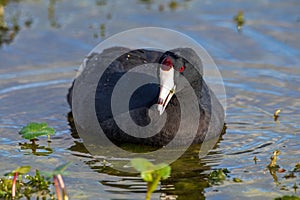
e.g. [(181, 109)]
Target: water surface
[(261, 72)]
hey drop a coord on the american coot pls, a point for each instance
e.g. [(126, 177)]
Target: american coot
[(160, 96)]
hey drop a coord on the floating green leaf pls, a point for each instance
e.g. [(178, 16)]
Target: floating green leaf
[(142, 164), (150, 173), (147, 176), (19, 170), (33, 130), (163, 170), (58, 170), (22, 170)]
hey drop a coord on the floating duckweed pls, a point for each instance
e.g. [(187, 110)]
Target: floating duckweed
[(237, 180)]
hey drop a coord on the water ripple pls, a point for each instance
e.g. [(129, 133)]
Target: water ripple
[(36, 72), (33, 85)]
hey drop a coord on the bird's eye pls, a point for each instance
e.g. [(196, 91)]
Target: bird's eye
[(181, 69), (167, 64)]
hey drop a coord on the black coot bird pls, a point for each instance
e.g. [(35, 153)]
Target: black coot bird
[(155, 100)]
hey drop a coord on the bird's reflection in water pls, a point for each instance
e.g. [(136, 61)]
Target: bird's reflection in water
[(188, 180)]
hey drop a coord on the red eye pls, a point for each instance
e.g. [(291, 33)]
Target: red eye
[(167, 64), (181, 69)]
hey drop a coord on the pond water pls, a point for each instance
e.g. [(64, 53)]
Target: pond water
[(48, 40)]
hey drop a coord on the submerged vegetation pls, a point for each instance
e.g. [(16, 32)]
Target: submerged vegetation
[(29, 186), (14, 186), (17, 173), (58, 180), (217, 176)]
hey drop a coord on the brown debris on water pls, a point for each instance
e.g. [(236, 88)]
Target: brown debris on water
[(273, 163), (276, 114)]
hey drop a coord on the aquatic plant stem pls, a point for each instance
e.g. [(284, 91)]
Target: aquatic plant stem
[(273, 158), (2, 23), (151, 186), (57, 189), (148, 195), (33, 142), (62, 185), (13, 189)]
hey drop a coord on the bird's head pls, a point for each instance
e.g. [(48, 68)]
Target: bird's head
[(172, 69)]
